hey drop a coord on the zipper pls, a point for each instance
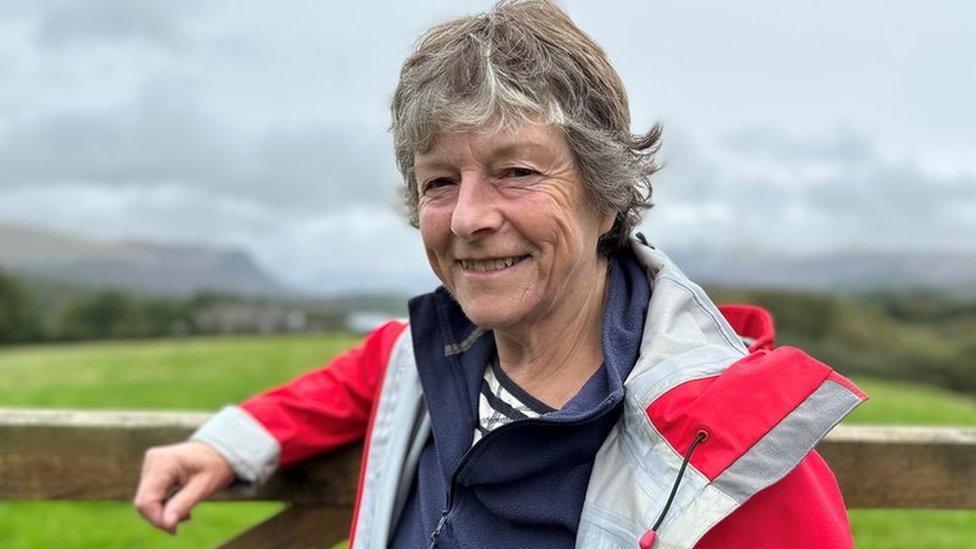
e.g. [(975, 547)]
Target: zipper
[(437, 530), (469, 455)]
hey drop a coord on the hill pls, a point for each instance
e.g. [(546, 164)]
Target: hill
[(141, 267), (846, 270)]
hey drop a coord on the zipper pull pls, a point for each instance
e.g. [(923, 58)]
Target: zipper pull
[(437, 529)]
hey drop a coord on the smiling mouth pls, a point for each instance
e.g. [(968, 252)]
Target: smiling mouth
[(489, 265)]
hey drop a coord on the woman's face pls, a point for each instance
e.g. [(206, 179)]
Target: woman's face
[(505, 223)]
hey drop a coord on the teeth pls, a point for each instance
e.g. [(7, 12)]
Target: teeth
[(486, 265)]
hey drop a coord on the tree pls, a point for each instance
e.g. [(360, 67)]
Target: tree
[(104, 315), (20, 318)]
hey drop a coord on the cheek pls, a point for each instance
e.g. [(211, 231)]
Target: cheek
[(435, 231), (432, 227), (558, 226)]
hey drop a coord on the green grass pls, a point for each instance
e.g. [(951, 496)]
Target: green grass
[(911, 404), (911, 529), (175, 374), (206, 373), (109, 524), (191, 374)]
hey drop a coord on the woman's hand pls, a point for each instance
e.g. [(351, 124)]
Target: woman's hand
[(177, 477)]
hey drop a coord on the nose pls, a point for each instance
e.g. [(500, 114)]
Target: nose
[(477, 209)]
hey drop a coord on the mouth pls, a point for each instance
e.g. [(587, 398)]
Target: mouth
[(490, 265)]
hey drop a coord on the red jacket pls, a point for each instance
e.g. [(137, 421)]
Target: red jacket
[(332, 406)]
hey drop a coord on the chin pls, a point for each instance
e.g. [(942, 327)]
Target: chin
[(488, 315), (484, 318)]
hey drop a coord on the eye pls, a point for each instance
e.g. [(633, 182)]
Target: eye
[(437, 182), (519, 172)]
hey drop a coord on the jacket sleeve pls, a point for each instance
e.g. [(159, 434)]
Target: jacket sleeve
[(803, 510), (316, 412)]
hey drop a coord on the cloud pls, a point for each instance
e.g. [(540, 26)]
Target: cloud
[(843, 146), (773, 190), (262, 125), (165, 137), (328, 251), (150, 21)]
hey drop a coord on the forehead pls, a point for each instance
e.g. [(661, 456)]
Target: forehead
[(527, 141)]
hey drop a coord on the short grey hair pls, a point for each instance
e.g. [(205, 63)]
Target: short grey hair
[(526, 61)]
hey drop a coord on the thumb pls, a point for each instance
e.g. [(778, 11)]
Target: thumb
[(178, 507)]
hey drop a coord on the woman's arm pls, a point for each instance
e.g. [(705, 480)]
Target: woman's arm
[(328, 407), (313, 413)]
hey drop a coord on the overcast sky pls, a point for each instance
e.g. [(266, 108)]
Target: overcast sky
[(262, 125)]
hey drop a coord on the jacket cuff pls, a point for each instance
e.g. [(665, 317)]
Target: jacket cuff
[(250, 449)]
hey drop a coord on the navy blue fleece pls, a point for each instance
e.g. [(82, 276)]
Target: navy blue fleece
[(524, 483)]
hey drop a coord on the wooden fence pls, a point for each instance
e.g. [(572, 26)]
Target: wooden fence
[(88, 455)]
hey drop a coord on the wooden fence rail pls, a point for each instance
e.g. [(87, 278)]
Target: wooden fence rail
[(89, 455)]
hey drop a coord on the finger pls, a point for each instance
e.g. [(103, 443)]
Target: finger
[(178, 507), (151, 494)]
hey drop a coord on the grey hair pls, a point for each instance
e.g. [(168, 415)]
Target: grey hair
[(526, 61)]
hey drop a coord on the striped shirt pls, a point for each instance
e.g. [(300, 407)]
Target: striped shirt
[(503, 401)]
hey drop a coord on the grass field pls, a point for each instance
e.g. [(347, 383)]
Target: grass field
[(204, 374)]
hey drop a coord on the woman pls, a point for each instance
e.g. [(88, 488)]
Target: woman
[(567, 385)]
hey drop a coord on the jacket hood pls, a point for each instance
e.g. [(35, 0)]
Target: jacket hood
[(713, 373)]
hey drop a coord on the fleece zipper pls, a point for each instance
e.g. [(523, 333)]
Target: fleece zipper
[(479, 446)]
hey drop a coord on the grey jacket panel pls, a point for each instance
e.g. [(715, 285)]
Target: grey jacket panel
[(250, 449), (400, 429)]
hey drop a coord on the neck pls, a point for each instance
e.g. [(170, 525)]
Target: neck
[(554, 356)]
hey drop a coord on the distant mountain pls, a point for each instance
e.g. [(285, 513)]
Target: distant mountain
[(847, 271), (850, 270), (136, 266), (181, 269), (364, 281)]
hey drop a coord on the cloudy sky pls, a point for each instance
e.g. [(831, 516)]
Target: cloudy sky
[(262, 125)]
